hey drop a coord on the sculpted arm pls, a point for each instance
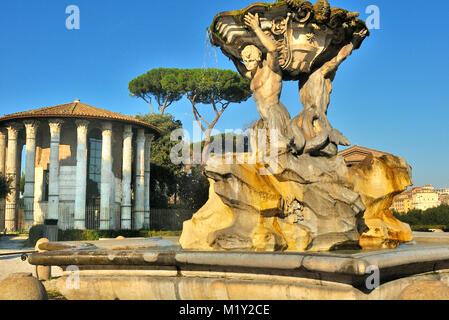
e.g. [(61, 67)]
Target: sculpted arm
[(333, 64), (346, 51), (253, 22), (241, 68)]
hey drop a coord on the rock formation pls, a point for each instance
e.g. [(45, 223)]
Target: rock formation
[(378, 180), (297, 194)]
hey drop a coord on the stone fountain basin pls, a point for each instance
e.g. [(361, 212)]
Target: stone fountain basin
[(158, 268)]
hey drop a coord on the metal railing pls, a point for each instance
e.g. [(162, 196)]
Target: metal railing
[(160, 219)]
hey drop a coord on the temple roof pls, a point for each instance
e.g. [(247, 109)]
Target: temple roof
[(79, 110), (356, 154)]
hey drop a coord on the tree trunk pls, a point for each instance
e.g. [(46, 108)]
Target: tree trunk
[(205, 150)]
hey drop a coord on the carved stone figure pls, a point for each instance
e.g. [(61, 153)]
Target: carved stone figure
[(310, 201), (266, 84)]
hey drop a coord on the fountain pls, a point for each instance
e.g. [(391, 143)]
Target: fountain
[(296, 223), (299, 195)]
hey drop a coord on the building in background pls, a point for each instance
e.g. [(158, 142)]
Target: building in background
[(356, 154), (420, 198), (403, 202), (425, 198), (85, 167)]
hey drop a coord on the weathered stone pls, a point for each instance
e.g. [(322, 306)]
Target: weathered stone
[(249, 211), (38, 243), (425, 290), (378, 180), (125, 270), (42, 272), (212, 216), (22, 286)]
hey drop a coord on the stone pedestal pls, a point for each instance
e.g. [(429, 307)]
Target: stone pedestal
[(51, 230), (42, 272), (22, 286)]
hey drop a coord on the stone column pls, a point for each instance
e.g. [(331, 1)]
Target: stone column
[(148, 140), (28, 194), (139, 202), (106, 177), (3, 137), (126, 178), (11, 173), (53, 174), (81, 174)]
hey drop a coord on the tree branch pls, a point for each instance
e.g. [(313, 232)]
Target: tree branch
[(165, 105), (195, 111), (148, 101), (215, 107)]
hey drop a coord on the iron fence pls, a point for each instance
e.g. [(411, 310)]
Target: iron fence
[(12, 217), (92, 221)]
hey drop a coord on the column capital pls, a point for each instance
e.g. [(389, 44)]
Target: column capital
[(13, 130), (3, 132), (127, 128), (149, 137), (31, 126), (82, 126), (140, 135), (55, 126), (82, 123), (106, 128)]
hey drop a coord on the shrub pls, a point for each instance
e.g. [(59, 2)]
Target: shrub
[(426, 228), (36, 232), (194, 188), (4, 186), (429, 217)]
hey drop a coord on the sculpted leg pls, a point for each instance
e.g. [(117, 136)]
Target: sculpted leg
[(314, 94)]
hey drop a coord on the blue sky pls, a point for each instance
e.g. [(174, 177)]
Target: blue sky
[(390, 95)]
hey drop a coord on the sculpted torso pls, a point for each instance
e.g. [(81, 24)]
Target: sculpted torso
[(266, 86)]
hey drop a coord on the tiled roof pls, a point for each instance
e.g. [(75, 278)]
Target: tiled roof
[(78, 110), (363, 150)]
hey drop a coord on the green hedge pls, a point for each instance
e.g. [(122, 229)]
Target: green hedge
[(429, 217), (426, 228), (37, 232)]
